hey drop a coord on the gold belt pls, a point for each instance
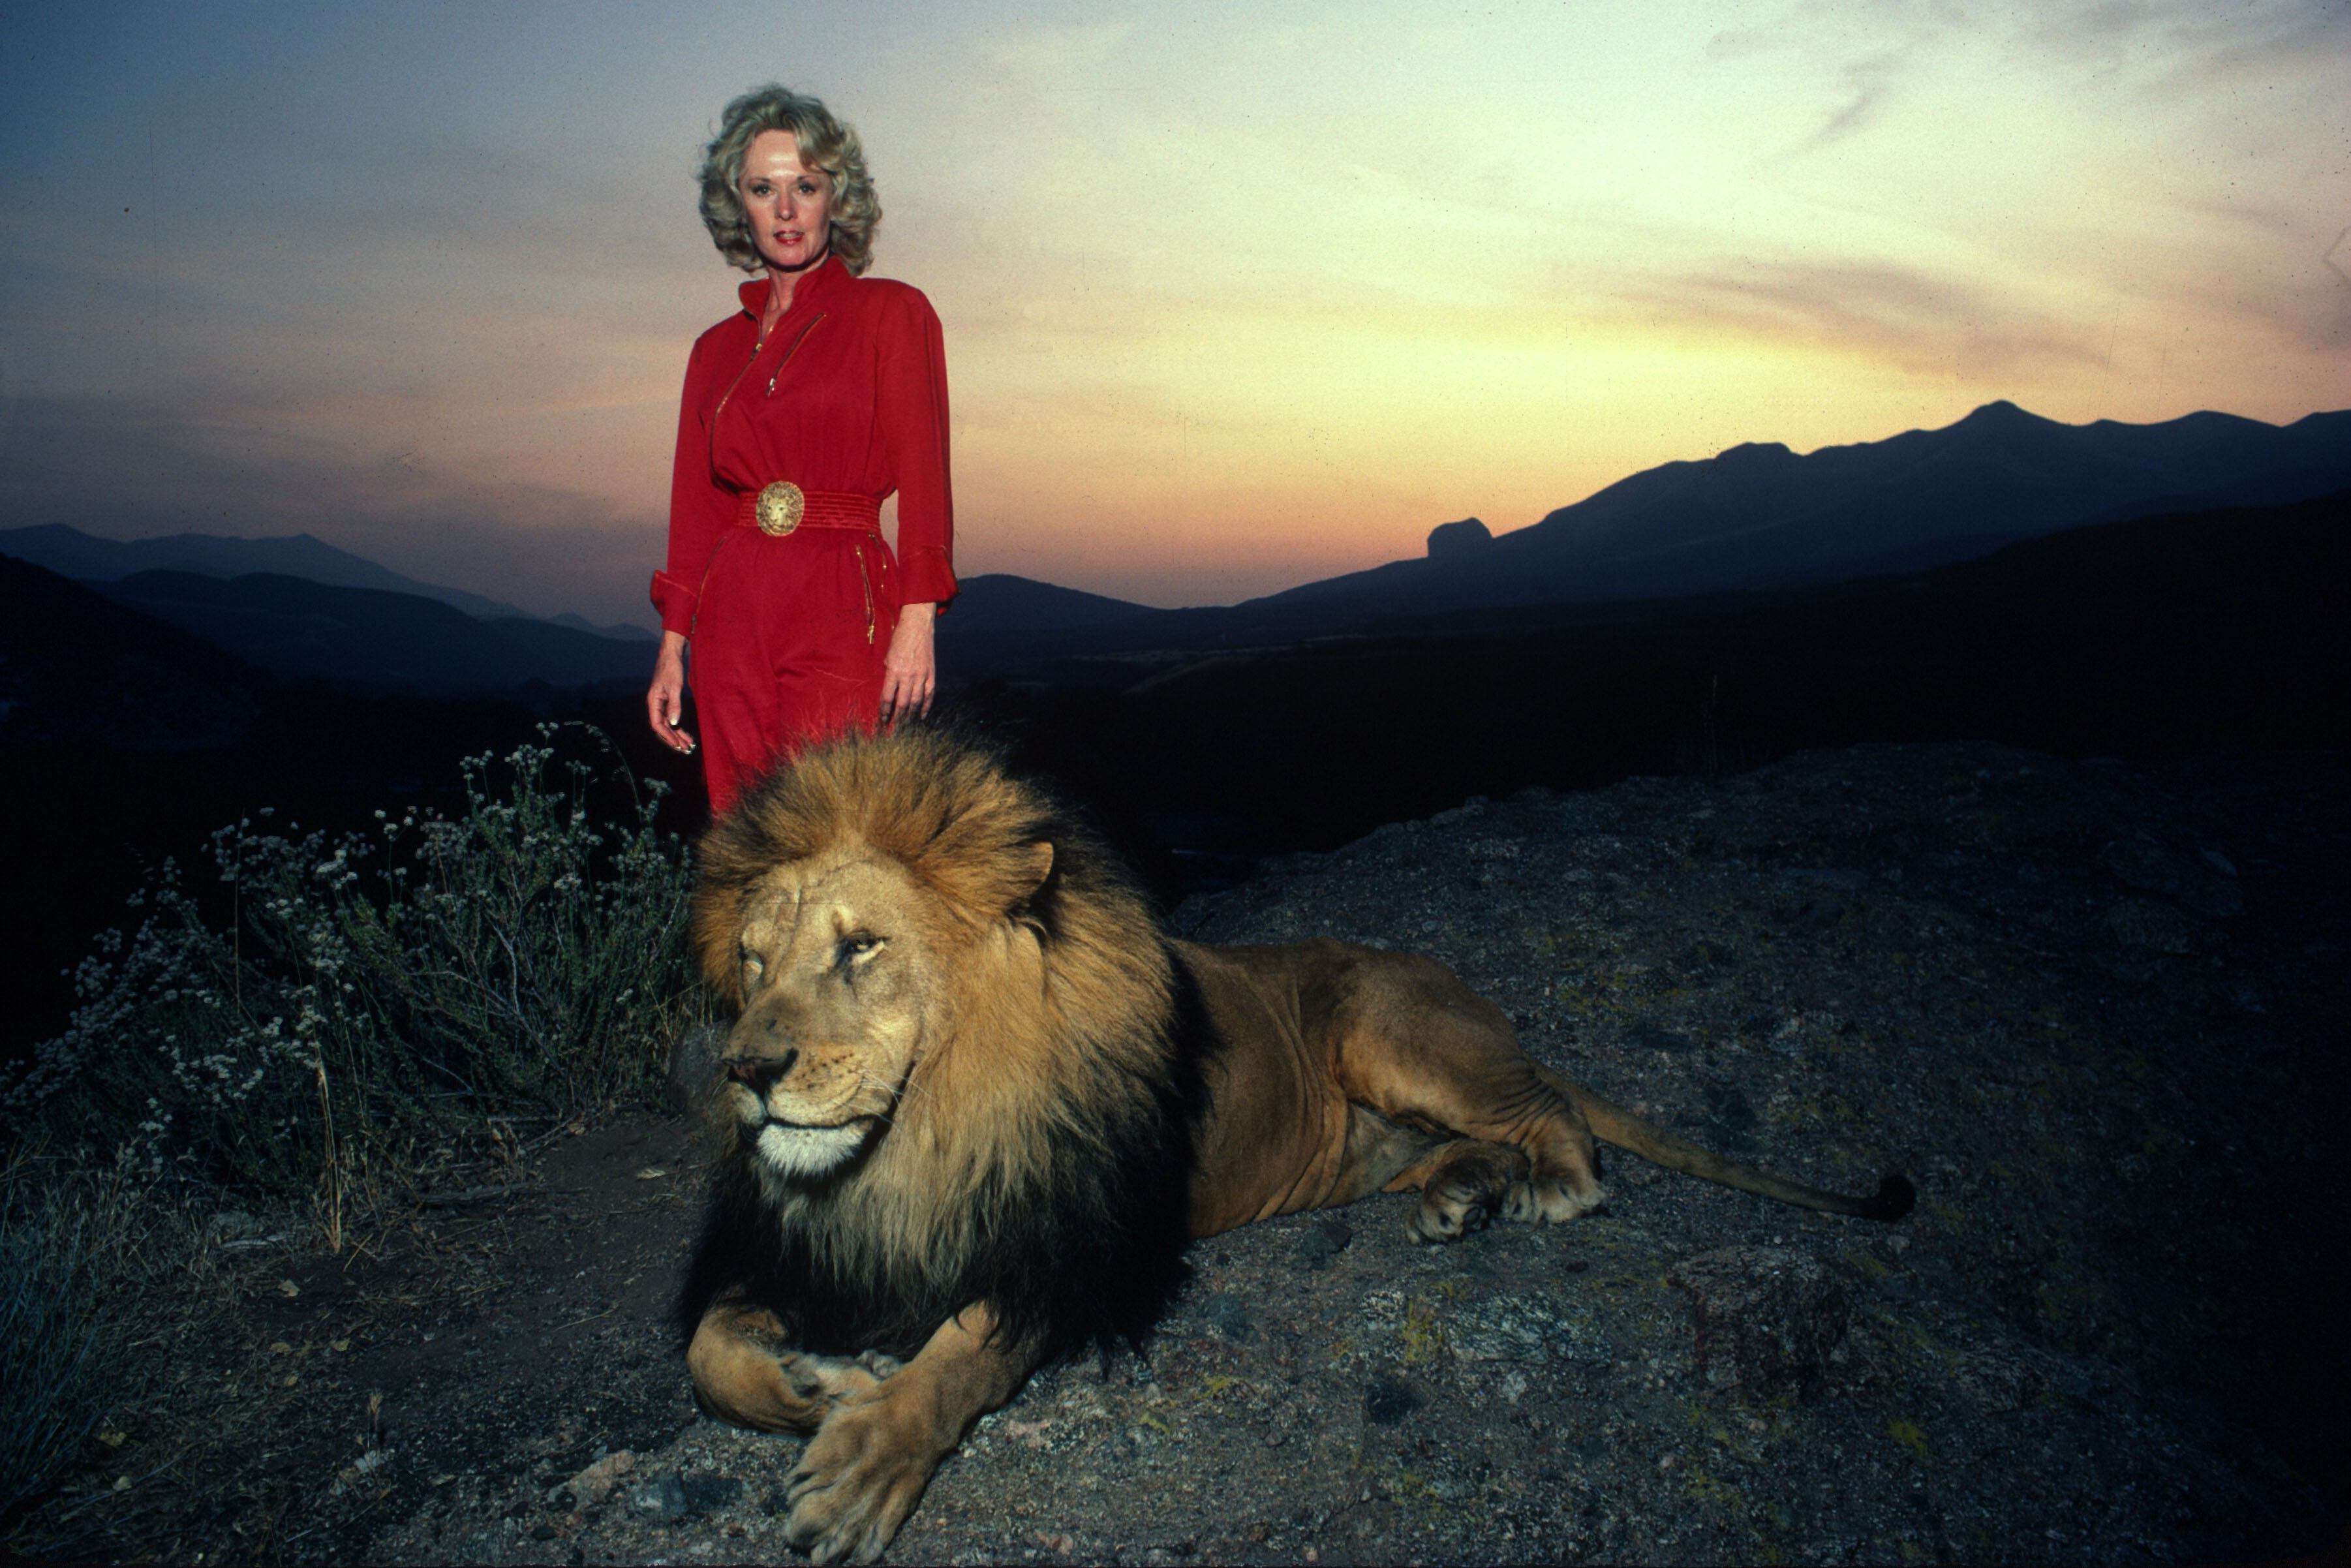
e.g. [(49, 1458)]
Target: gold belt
[(783, 506)]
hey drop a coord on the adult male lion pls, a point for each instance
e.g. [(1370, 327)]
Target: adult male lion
[(981, 1102)]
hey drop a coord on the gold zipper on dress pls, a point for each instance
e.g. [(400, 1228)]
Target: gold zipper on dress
[(735, 383), (696, 620), (866, 583), (791, 351)]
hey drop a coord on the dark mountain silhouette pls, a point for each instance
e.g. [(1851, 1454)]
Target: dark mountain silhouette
[(86, 557), (998, 601), (124, 740), (626, 633), (575, 657), (401, 642), (77, 668), (2162, 635), (1760, 515)]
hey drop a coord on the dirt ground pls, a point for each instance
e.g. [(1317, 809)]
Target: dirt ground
[(2097, 1012)]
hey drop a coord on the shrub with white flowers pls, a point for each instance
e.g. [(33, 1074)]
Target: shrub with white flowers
[(522, 957)]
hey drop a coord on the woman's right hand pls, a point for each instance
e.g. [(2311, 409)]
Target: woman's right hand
[(665, 698)]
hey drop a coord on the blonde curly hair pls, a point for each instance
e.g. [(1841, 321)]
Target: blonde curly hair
[(824, 142)]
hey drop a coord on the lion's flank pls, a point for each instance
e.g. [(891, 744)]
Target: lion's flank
[(1038, 1157)]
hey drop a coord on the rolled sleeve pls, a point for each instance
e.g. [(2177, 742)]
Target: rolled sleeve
[(700, 508), (912, 398), (926, 578)]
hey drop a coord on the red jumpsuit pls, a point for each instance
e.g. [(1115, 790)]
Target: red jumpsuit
[(847, 398)]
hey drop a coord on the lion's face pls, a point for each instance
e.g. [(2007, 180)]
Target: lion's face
[(840, 961)]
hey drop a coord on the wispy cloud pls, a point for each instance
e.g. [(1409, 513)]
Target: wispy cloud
[(1921, 322)]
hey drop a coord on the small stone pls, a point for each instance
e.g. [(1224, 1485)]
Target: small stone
[(1729, 1118), (1771, 1316), (709, 1493), (2140, 862), (2142, 923), (662, 1501), (1227, 1315), (1387, 1401), (1323, 1242), (594, 1484), (1523, 1329)]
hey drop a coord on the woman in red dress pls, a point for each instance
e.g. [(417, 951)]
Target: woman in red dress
[(802, 412)]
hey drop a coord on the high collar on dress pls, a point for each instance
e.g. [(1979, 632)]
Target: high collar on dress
[(815, 284)]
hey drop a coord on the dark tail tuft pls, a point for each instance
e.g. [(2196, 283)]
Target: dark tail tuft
[(1893, 1199)]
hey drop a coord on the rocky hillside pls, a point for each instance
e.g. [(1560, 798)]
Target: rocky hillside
[(2094, 1010)]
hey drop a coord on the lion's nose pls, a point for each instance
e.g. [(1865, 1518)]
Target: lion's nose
[(758, 1074)]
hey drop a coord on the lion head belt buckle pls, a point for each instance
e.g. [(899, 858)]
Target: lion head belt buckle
[(779, 508)]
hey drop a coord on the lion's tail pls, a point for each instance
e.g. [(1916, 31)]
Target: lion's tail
[(1615, 1125)]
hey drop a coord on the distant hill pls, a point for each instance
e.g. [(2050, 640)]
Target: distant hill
[(398, 642), (620, 630), (998, 601), (78, 668), (2169, 635), (86, 557), (1760, 515)]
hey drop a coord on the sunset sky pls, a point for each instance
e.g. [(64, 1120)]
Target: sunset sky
[(1236, 296)]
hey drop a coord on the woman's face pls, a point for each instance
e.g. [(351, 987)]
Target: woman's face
[(788, 204)]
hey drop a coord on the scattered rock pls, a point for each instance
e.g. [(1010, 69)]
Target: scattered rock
[(706, 1493), (1643, 1035), (2215, 897), (1228, 1316), (1387, 1401), (1729, 1118), (1323, 1241), (594, 1484), (2142, 923), (1768, 1317), (662, 1501), (1525, 1329), (2139, 861)]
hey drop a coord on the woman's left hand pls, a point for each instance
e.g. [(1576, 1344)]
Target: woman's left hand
[(909, 672)]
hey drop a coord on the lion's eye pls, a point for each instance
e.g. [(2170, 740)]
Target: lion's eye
[(752, 967), (858, 948)]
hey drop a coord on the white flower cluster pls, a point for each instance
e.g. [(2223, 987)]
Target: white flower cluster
[(518, 955)]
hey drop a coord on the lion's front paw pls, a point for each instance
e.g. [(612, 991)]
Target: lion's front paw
[(859, 1478), (1447, 1213), (1547, 1197)]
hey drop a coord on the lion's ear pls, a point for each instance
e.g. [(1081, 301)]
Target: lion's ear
[(1036, 863)]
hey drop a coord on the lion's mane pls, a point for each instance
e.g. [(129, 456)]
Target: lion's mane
[(1038, 1155)]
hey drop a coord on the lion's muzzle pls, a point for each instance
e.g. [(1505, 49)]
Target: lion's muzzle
[(760, 1073)]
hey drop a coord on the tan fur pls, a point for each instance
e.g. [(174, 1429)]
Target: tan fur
[(876, 915)]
